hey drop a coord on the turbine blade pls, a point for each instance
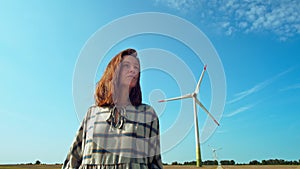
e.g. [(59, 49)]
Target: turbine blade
[(200, 80), (176, 98), (212, 149), (201, 105)]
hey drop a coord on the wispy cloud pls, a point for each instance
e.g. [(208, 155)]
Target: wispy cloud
[(180, 5), (250, 91), (257, 87), (291, 87), (280, 17), (240, 110), (221, 131)]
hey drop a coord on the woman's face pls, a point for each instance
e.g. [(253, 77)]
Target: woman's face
[(129, 72)]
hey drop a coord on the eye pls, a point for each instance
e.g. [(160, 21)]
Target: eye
[(125, 65)]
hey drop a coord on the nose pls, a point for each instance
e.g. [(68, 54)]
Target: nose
[(133, 70)]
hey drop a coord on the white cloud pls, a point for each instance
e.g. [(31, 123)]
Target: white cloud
[(181, 5), (243, 25), (221, 131), (240, 110), (257, 87), (225, 24), (280, 17), (250, 91), (291, 87)]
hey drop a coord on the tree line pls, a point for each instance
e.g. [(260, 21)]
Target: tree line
[(232, 162), (274, 162)]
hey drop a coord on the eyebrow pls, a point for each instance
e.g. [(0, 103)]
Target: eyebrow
[(136, 64)]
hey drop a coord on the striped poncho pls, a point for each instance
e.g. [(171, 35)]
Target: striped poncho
[(131, 142)]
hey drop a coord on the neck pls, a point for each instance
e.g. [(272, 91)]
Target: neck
[(124, 98)]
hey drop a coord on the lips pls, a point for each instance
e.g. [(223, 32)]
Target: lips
[(131, 76)]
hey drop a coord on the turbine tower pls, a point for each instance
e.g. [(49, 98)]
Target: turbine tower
[(214, 152), (195, 102)]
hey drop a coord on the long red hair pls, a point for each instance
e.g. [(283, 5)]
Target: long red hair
[(105, 93)]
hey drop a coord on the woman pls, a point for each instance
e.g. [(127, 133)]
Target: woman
[(119, 131)]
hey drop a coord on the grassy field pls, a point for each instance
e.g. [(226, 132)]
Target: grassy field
[(30, 166), (165, 167)]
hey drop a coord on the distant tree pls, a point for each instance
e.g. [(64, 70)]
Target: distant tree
[(190, 163), (224, 162), (227, 162), (175, 163), (277, 162), (210, 162), (295, 163), (254, 162), (37, 162)]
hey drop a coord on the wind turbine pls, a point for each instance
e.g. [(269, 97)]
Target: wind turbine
[(214, 152), (195, 102)]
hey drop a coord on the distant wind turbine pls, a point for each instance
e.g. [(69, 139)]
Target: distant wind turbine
[(195, 101), (214, 152)]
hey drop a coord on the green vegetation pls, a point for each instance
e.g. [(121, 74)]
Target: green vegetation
[(232, 162), (274, 162)]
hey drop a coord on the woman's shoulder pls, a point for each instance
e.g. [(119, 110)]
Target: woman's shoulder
[(148, 109), (95, 108), (145, 107)]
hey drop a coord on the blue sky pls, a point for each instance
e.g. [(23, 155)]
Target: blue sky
[(257, 43)]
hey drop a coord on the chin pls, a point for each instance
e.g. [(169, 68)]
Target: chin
[(129, 85), (132, 85)]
